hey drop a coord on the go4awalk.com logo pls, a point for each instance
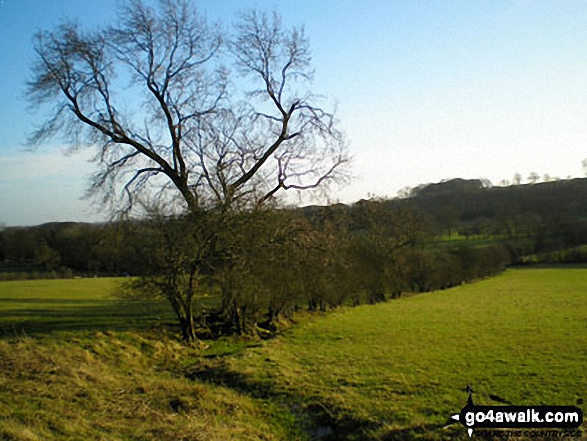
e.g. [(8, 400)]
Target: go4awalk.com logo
[(516, 417)]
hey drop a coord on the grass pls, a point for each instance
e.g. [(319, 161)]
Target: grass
[(398, 370), (475, 240), (42, 306), (567, 256), (77, 364), (118, 387), (390, 371)]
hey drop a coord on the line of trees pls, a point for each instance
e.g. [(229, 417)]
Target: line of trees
[(262, 265), (65, 249), (267, 263)]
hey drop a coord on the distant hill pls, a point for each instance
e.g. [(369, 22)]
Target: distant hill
[(469, 200), (533, 218), (530, 219)]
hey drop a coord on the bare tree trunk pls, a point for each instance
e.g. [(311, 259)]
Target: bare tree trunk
[(188, 329)]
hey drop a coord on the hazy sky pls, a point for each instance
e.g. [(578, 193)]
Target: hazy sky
[(426, 90)]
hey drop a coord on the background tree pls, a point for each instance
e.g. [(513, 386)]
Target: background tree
[(383, 247), (533, 178), (3, 253)]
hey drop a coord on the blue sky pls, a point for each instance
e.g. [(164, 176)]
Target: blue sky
[(426, 90)]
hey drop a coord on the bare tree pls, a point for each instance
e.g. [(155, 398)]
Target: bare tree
[(486, 183), (177, 265), (404, 192), (307, 148), (533, 178), (154, 96), (177, 117)]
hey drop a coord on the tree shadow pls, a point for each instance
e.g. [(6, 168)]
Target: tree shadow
[(317, 420), (35, 316)]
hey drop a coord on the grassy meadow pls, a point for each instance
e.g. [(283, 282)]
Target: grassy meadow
[(42, 306), (396, 370), (401, 368)]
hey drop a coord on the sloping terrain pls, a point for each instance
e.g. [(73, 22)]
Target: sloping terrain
[(396, 370)]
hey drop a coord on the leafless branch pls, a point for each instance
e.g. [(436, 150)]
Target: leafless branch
[(189, 126)]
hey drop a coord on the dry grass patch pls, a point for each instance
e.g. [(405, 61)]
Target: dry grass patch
[(117, 387)]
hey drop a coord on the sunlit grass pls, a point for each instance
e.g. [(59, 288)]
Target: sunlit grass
[(405, 365), (34, 306), (119, 386), (90, 367), (77, 364)]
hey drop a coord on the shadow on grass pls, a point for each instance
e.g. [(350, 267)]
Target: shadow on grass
[(319, 420), (316, 419), (41, 316)]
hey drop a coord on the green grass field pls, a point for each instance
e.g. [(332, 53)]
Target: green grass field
[(402, 368), (42, 306), (390, 371)]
